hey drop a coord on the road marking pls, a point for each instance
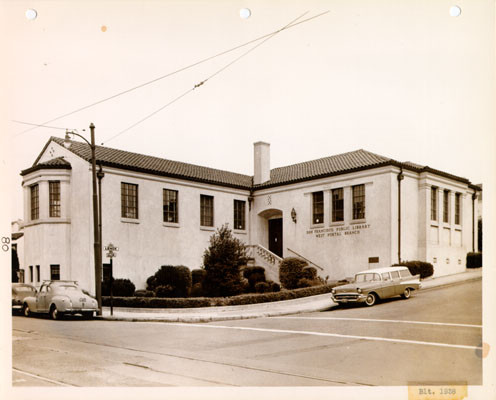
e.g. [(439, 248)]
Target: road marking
[(384, 320), (40, 377), (311, 333)]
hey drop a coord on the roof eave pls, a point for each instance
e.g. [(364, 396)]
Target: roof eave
[(41, 166)]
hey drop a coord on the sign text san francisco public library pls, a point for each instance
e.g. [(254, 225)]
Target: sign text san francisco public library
[(344, 230)]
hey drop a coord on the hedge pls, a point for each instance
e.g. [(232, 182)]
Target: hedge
[(192, 302), (422, 268), (474, 260)]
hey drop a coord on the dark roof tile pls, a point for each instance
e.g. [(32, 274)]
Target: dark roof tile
[(308, 170)]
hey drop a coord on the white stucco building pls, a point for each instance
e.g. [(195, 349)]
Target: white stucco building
[(342, 213)]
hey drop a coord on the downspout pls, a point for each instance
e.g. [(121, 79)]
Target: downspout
[(474, 196), (250, 201), (400, 177)]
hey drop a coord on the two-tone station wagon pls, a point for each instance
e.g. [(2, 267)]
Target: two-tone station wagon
[(374, 284)]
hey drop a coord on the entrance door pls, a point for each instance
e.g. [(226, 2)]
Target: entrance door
[(275, 236)]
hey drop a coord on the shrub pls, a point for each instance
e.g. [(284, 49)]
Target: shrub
[(291, 271), (262, 287), (164, 291), (120, 287), (197, 276), (474, 260), (222, 261), (179, 278), (254, 275), (144, 293), (422, 268), (197, 290), (310, 273), (274, 286), (305, 282)]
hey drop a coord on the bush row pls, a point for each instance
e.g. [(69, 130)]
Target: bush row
[(474, 260), (422, 268), (192, 302)]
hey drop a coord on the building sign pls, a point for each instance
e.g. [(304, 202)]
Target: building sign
[(344, 230)]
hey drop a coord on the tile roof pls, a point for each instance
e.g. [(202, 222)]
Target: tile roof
[(309, 170), (158, 166), (327, 166), (54, 163)]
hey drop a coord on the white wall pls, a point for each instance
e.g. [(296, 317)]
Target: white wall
[(145, 244), (340, 249)]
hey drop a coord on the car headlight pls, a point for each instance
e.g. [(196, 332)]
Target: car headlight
[(333, 291), (359, 290)]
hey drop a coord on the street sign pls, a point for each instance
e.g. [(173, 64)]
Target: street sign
[(111, 249)]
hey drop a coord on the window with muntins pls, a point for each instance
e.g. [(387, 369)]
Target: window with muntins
[(317, 207), (55, 272), (446, 194), (54, 194), (434, 203), (239, 214), (206, 210), (35, 202), (358, 201), (337, 205), (129, 200), (170, 206), (457, 208)]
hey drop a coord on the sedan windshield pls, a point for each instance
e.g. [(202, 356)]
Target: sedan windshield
[(369, 277)]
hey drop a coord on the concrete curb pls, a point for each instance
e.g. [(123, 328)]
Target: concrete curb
[(316, 303)]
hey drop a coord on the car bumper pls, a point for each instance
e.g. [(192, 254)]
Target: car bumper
[(348, 298), (78, 310)]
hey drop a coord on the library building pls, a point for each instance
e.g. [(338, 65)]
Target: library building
[(342, 214)]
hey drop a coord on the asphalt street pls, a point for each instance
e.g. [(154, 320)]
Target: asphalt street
[(435, 336)]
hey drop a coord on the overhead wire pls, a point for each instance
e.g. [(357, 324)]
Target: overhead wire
[(169, 74), (205, 80), (38, 125)]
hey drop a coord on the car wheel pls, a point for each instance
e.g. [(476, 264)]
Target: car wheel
[(54, 314), (371, 299), (407, 293), (26, 311), (88, 315)]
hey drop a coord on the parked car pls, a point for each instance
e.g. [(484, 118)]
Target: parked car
[(374, 284), (19, 292), (58, 298)]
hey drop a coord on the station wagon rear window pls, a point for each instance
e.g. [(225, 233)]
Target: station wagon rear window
[(405, 273), (367, 277)]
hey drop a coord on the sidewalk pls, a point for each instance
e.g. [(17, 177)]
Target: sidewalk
[(307, 304)]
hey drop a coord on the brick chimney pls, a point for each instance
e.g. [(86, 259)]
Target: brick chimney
[(261, 162)]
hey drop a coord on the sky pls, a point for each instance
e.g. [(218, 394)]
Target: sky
[(403, 79)]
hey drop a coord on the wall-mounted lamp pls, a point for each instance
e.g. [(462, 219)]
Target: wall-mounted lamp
[(293, 215)]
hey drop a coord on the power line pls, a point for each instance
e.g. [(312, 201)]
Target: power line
[(170, 73), (205, 80), (38, 125)]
